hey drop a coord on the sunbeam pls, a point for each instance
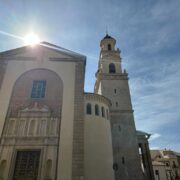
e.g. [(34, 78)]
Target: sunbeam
[(11, 35)]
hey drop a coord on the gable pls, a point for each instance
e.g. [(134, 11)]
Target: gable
[(41, 51)]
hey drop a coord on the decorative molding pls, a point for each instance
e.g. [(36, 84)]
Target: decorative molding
[(97, 97), (65, 59), (121, 111), (35, 107), (115, 76), (18, 58), (28, 141)]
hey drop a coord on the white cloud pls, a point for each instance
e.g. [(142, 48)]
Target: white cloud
[(154, 148), (154, 136)]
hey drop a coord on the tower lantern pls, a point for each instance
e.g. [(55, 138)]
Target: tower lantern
[(108, 43), (109, 59)]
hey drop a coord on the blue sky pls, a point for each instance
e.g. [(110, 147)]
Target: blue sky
[(147, 32)]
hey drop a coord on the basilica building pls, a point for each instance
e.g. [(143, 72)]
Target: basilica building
[(50, 129)]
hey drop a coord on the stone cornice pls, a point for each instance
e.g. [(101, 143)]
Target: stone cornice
[(18, 58), (66, 59), (115, 76), (40, 47), (121, 111), (29, 140), (97, 97), (105, 53), (21, 58)]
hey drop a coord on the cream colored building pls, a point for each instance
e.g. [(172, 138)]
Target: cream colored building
[(50, 129), (169, 160), (159, 170)]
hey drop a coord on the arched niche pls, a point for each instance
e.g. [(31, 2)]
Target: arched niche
[(22, 91), (32, 127), (48, 168)]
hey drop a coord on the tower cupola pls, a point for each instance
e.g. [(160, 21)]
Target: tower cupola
[(108, 43), (109, 59)]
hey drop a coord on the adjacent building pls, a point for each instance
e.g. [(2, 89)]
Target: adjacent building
[(166, 164)]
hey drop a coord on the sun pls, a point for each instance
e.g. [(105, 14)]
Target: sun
[(31, 39)]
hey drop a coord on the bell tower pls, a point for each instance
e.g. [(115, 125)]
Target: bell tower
[(112, 82), (109, 56)]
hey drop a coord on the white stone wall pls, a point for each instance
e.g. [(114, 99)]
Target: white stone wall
[(98, 143)]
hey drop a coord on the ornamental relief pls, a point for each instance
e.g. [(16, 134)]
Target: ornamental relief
[(34, 120)]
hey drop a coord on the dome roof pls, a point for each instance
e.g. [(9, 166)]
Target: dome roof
[(108, 37)]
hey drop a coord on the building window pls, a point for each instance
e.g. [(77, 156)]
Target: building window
[(123, 160), (156, 172), (38, 89), (88, 109), (167, 164), (109, 47), (102, 110), (112, 68), (107, 114), (96, 110), (115, 167), (119, 128), (174, 164), (115, 91), (116, 104)]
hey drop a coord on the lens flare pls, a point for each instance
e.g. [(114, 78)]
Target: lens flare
[(31, 39)]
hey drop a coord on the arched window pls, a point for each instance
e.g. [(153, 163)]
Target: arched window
[(96, 110), (109, 47), (102, 110), (107, 114), (88, 109), (123, 160), (116, 104), (112, 68)]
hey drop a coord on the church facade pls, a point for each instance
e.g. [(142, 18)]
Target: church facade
[(50, 129)]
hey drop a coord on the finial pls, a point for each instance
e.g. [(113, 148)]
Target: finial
[(106, 30)]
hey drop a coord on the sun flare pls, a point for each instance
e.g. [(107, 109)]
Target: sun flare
[(31, 39)]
